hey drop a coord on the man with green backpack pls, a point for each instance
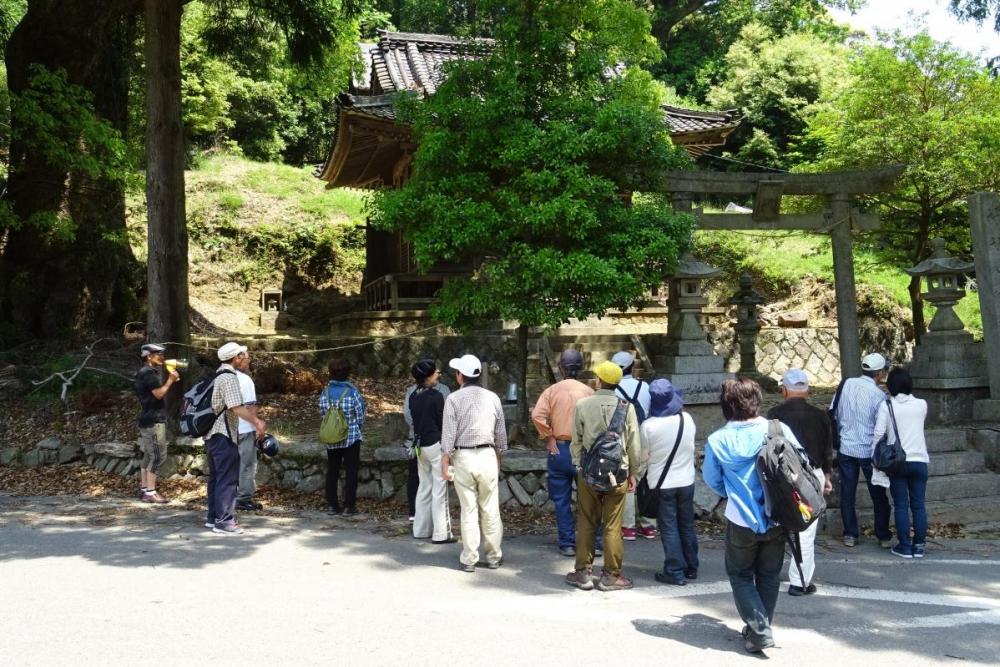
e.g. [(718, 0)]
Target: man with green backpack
[(343, 410)]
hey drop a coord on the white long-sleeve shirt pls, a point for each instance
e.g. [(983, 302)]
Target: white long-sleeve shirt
[(910, 414)]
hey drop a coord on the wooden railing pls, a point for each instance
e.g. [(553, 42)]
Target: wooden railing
[(404, 291)]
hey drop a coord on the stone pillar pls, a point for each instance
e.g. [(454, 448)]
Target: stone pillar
[(843, 277), (984, 220)]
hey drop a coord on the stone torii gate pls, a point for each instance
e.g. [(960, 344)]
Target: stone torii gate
[(839, 217)]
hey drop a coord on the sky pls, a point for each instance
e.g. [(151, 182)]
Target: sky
[(908, 14)]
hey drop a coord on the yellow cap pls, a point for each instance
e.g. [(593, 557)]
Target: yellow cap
[(609, 372)]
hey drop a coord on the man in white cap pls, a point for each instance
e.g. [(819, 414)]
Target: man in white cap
[(221, 441), (151, 390), (636, 392), (857, 410), (811, 427), (473, 433)]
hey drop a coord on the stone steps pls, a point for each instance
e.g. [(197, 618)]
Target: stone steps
[(969, 511), (956, 463), (947, 487), (946, 439)]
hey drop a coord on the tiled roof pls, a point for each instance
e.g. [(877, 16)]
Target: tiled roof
[(688, 120), (412, 61)]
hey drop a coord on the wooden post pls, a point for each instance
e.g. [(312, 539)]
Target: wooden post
[(843, 277)]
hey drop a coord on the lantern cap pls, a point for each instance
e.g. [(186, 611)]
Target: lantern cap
[(940, 262)]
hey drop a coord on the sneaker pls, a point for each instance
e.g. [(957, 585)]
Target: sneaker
[(691, 574), (796, 591), (598, 552), (209, 524), (467, 567), (580, 579), (850, 541), (628, 534), (901, 552), (918, 550), (492, 565), (411, 519), (140, 493), (664, 578), (751, 646), (609, 582), (885, 544), (228, 529), (154, 497), (330, 509), (567, 551), (447, 540), (349, 511), (249, 506), (649, 532)]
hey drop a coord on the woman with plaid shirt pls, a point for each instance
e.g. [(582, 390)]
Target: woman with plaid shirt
[(348, 400)]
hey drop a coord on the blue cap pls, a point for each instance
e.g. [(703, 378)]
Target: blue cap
[(664, 399), (796, 379)]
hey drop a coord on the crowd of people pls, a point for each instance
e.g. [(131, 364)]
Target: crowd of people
[(460, 436)]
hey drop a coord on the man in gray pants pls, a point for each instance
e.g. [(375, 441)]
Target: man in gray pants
[(247, 444)]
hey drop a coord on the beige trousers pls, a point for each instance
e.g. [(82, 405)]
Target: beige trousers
[(476, 477), (432, 518)]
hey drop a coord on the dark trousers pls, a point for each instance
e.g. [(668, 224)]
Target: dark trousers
[(908, 492), (561, 473), (351, 458), (850, 473), (753, 563), (412, 483), (223, 476), (677, 532)]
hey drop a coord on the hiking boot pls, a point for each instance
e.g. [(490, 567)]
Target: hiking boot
[(154, 497), (249, 506), (567, 551), (649, 532), (751, 646), (492, 565), (850, 541), (467, 567), (610, 582), (664, 578), (918, 550), (581, 579), (628, 534), (227, 529), (147, 497), (332, 510), (349, 511), (885, 544), (901, 551), (691, 574)]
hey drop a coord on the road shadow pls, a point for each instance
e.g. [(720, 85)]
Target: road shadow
[(696, 630)]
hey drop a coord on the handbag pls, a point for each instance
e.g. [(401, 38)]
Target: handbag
[(888, 457), (647, 500)]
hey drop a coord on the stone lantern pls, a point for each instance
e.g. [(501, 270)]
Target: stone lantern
[(688, 359), (948, 367), (942, 272), (747, 326), (271, 307)]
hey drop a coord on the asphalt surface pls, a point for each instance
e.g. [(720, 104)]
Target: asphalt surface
[(106, 583)]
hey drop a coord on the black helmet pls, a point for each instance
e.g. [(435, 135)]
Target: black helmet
[(269, 445)]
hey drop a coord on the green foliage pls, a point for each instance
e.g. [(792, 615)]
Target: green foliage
[(695, 47), (927, 105), (265, 74), (523, 159), (56, 119), (978, 11), (778, 83)]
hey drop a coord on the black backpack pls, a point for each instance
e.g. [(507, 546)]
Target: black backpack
[(603, 465), (832, 413), (640, 414), (197, 415), (793, 496)]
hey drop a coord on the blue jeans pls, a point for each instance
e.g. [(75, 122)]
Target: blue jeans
[(908, 491), (677, 532), (753, 564), (850, 473), (561, 473)]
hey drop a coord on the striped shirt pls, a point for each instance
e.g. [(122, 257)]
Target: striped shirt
[(473, 416), (351, 403), (856, 414)]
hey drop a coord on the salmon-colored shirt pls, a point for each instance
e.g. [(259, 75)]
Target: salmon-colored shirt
[(553, 412)]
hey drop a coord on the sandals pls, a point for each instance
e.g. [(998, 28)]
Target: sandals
[(580, 579), (610, 582)]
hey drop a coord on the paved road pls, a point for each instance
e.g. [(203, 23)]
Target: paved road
[(96, 582)]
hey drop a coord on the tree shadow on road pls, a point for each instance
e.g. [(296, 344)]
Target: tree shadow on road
[(697, 630)]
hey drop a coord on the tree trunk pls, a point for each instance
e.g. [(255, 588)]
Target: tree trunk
[(167, 318), (167, 266), (52, 286), (522, 377), (917, 309)]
